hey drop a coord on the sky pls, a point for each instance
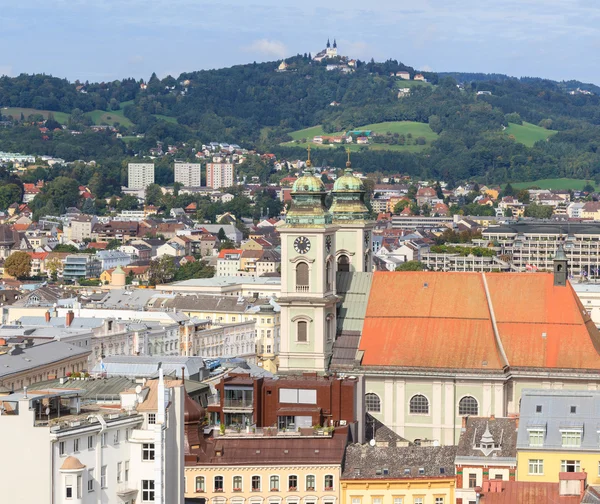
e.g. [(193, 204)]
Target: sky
[(102, 40)]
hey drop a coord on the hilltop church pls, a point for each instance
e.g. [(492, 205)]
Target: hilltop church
[(432, 347), (329, 52)]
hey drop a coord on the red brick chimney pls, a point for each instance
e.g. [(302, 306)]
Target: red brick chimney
[(48, 316), (69, 318)]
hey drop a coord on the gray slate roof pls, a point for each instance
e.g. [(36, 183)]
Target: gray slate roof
[(370, 462), (37, 355), (148, 366), (503, 430), (545, 227), (354, 290), (203, 303), (555, 414)]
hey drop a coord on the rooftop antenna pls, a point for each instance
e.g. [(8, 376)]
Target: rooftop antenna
[(308, 163), (348, 163)]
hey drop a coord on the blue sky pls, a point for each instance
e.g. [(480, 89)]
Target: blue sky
[(109, 39)]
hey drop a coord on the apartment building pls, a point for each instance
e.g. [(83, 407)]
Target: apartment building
[(86, 453), (140, 175), (457, 262), (219, 175), (532, 245), (188, 174), (81, 266)]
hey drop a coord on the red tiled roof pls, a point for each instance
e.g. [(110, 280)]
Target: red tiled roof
[(528, 492), (97, 245), (443, 320), (38, 255), (229, 251)]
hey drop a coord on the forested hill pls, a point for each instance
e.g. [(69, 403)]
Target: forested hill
[(254, 105)]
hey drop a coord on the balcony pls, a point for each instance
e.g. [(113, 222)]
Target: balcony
[(301, 288), (238, 403)]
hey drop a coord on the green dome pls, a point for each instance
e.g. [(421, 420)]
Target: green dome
[(308, 183), (348, 183)]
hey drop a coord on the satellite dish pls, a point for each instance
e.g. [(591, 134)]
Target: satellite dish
[(138, 389), (372, 442)]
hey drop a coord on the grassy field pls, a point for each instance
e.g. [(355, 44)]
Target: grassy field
[(166, 118), (528, 133), (416, 129), (402, 83), (112, 117), (560, 183), (15, 112)]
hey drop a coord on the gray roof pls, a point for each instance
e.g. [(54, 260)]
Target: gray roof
[(127, 298), (78, 322), (382, 434), (503, 431), (102, 389), (371, 462), (24, 359), (203, 303), (227, 280), (354, 290), (554, 414), (547, 227), (148, 366)]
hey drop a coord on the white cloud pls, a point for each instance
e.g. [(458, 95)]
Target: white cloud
[(425, 68), (267, 47)]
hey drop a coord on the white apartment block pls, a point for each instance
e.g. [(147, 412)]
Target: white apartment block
[(188, 174), (219, 175), (228, 340), (141, 175), (60, 451)]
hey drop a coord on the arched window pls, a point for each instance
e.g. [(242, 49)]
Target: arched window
[(329, 482), (292, 483), (419, 405), (237, 483), (343, 263), (274, 483), (310, 483), (200, 487), (256, 483), (302, 277), (373, 403), (302, 331), (468, 406), (218, 483), (328, 276)]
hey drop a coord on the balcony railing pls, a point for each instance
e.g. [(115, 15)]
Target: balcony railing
[(238, 403), (301, 288)]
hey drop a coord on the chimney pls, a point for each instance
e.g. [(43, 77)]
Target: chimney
[(48, 316), (492, 417), (183, 375), (69, 318)]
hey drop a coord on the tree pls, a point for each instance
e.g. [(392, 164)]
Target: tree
[(113, 244), (514, 118), (538, 211), (508, 190), (197, 269), (401, 205), (9, 194), (162, 270), (88, 207), (18, 265), (153, 194), (54, 266), (411, 266), (221, 234), (62, 192), (588, 188), (127, 202)]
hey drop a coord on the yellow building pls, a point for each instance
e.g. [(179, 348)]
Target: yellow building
[(398, 475), (264, 467), (558, 432)]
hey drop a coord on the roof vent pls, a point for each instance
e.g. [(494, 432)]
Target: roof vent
[(544, 335), (286, 451), (406, 470), (425, 285), (257, 451)]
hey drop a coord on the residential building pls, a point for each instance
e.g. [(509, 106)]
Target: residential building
[(590, 210), (219, 175), (140, 175), (410, 222), (533, 243), (398, 475), (28, 363), (262, 465), (229, 262), (87, 453), (110, 259), (80, 228), (458, 262), (558, 434), (291, 403), (487, 450), (425, 196), (188, 174), (81, 266)]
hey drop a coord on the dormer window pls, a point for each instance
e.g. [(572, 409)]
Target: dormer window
[(536, 437), (538, 408), (573, 409), (571, 437)]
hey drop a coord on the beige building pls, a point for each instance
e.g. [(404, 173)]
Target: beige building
[(219, 175), (140, 175), (80, 228), (188, 174)]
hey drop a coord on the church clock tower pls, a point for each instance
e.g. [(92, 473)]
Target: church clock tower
[(350, 214), (308, 296)]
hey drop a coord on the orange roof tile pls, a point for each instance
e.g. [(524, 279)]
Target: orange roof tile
[(443, 320), (223, 252)]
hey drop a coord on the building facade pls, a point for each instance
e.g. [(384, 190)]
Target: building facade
[(188, 174), (219, 175), (140, 175)]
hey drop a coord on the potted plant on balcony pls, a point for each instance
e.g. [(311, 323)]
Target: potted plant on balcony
[(237, 489), (274, 489), (310, 489), (293, 489), (222, 429), (218, 489)]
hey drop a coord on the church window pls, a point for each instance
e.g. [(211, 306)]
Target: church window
[(419, 405), (302, 331), (328, 276), (302, 277), (468, 406), (373, 403), (343, 263)]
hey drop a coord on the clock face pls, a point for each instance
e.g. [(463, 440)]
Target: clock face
[(302, 245), (328, 243)]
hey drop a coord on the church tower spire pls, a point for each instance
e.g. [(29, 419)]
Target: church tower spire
[(308, 294), (349, 212)]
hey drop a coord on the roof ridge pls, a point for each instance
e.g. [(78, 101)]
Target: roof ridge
[(488, 298)]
